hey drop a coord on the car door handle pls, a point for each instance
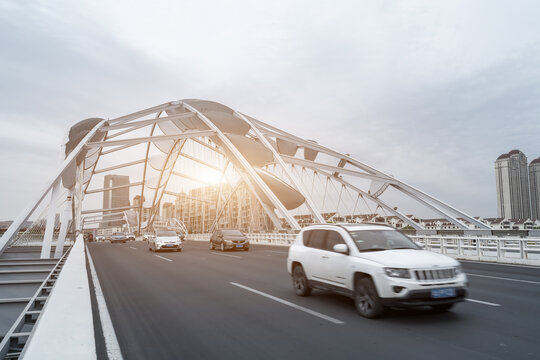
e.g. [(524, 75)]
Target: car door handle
[(325, 257)]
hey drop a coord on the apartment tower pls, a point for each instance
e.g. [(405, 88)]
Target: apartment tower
[(512, 180)]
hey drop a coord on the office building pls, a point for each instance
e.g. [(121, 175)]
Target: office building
[(168, 211), (512, 181), (534, 183), (116, 198), (137, 205), (200, 210)]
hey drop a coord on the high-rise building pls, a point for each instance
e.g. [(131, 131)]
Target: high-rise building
[(512, 181), (137, 205), (168, 211), (199, 208), (534, 182), (116, 197)]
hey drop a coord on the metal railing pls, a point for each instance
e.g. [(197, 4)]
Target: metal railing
[(510, 250), (16, 338)]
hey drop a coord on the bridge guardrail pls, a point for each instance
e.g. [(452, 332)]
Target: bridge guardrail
[(255, 238), (509, 250)]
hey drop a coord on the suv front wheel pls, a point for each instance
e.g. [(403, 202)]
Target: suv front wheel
[(366, 299), (300, 282)]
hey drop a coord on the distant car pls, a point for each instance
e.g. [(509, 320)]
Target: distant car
[(164, 240), (130, 236), (100, 238), (146, 237), (118, 237), (229, 239), (376, 265)]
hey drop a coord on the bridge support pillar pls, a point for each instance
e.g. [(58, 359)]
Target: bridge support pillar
[(51, 217), (64, 222)]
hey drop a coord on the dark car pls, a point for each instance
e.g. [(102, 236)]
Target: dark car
[(229, 239)]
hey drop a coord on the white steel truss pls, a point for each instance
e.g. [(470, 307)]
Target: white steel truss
[(251, 147)]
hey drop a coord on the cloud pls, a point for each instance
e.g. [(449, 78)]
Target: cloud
[(429, 92)]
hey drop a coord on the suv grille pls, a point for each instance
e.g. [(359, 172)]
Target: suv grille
[(437, 274)]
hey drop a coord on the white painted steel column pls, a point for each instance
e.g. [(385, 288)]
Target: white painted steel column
[(248, 168), (64, 222), (51, 217), (309, 202)]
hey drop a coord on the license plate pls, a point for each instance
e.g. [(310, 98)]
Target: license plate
[(169, 245), (443, 293), (239, 245)]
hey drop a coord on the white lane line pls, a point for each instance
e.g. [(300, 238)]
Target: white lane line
[(111, 342), (482, 302), (507, 279), (277, 252), (131, 247), (498, 264), (285, 302), (161, 257), (234, 256)]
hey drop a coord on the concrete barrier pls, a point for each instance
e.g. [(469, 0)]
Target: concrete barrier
[(65, 329)]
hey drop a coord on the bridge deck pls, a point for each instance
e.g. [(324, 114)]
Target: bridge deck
[(183, 305)]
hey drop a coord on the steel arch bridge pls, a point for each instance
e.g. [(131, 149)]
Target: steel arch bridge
[(192, 140)]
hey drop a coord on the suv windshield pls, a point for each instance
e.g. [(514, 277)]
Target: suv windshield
[(118, 233), (166, 233), (378, 240), (232, 232)]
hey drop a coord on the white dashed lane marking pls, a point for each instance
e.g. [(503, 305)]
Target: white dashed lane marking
[(161, 257), (288, 303), (482, 302), (234, 256)]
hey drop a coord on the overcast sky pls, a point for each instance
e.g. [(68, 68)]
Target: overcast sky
[(431, 92)]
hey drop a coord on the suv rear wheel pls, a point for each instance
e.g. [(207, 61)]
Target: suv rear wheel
[(300, 282), (366, 299)]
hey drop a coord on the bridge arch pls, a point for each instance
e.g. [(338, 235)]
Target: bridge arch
[(287, 174)]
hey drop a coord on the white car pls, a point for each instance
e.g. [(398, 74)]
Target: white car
[(376, 265), (164, 240)]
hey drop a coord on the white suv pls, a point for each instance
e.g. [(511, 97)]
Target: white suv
[(376, 265)]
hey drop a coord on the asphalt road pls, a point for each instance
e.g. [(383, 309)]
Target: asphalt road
[(199, 304)]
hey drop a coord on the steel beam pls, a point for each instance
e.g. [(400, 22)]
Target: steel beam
[(248, 168), (139, 140), (316, 165), (142, 123), (309, 202), (104, 210), (113, 188), (136, 162)]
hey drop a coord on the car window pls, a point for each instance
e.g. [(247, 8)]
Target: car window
[(378, 240), (306, 236), (317, 239), (333, 238), (166, 233), (232, 232)]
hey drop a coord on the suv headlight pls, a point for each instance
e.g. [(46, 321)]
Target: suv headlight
[(459, 270), (399, 273)]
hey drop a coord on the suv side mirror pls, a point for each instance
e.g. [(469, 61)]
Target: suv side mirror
[(341, 248)]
